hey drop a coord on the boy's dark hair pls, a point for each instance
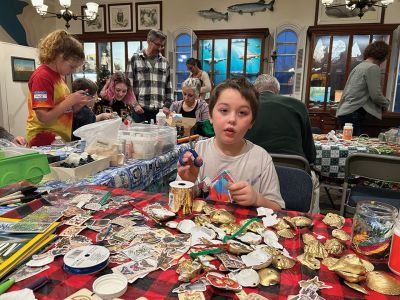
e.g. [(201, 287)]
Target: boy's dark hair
[(245, 88), (194, 62), (84, 84), (377, 50)]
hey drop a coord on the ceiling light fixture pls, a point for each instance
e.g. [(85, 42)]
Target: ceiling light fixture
[(361, 5)]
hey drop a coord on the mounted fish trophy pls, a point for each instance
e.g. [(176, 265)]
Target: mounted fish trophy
[(213, 15), (252, 7)]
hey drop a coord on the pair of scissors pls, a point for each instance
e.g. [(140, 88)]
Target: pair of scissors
[(196, 161)]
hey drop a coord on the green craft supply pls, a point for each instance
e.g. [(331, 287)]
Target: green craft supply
[(205, 252), (5, 285), (105, 198), (228, 237)]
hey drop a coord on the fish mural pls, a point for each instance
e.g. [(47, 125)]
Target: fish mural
[(252, 7), (250, 56), (216, 60), (213, 15)]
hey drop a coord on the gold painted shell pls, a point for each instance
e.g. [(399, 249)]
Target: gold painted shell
[(286, 233), (333, 246), (356, 287), (329, 262), (301, 221), (221, 216), (333, 220), (383, 283), (254, 226), (198, 205), (367, 265), (281, 225), (316, 249), (350, 277), (238, 248), (282, 262), (309, 261), (308, 238), (207, 209), (269, 277), (271, 250), (289, 221), (340, 234), (202, 220), (350, 263), (230, 228), (188, 269)]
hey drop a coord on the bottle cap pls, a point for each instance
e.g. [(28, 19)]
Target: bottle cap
[(348, 124)]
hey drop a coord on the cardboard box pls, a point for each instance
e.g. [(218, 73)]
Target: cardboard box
[(60, 173), (187, 123)]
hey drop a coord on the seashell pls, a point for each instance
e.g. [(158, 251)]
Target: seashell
[(340, 234), (286, 233), (271, 250), (161, 214), (309, 261), (301, 221), (269, 277), (334, 220), (202, 220), (230, 228), (329, 262), (356, 287), (188, 269), (383, 283), (350, 277), (221, 216), (247, 277), (282, 262), (185, 226), (281, 225), (250, 238), (222, 282), (221, 234), (207, 209), (201, 235), (333, 246), (271, 239), (254, 226), (198, 205), (289, 221), (349, 263), (257, 259), (171, 224), (369, 267), (316, 249), (236, 247), (307, 238)]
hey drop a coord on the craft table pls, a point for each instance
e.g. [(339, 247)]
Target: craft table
[(159, 284)]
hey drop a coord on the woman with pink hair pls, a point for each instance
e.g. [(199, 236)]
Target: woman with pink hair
[(116, 96)]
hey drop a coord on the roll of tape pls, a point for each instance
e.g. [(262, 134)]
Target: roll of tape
[(181, 196)]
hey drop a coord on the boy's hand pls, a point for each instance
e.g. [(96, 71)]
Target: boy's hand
[(138, 109), (189, 171), (104, 116), (243, 193), (79, 99), (19, 140)]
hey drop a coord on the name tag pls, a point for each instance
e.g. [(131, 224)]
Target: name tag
[(40, 95)]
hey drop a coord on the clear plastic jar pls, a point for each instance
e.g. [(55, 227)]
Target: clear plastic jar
[(348, 131), (58, 142), (394, 256)]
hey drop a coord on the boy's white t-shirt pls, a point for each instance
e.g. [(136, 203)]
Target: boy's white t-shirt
[(253, 165)]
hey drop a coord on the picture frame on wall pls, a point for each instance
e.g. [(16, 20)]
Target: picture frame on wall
[(120, 17), (98, 24), (342, 15), (22, 68), (148, 15)]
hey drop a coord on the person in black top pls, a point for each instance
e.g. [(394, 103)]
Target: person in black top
[(117, 96)]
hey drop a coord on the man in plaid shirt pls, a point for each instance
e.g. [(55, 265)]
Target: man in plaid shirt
[(151, 79)]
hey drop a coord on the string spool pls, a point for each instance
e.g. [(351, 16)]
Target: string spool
[(86, 259), (181, 196)]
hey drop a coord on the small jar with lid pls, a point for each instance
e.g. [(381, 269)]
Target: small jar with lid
[(348, 131)]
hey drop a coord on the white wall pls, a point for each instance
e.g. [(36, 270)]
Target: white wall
[(13, 95)]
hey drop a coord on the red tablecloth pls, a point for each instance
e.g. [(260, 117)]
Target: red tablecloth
[(159, 284)]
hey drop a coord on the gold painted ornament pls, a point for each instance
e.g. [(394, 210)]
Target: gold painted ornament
[(230, 228), (271, 250), (334, 220), (316, 249), (333, 246), (254, 226), (289, 221), (349, 263), (308, 238), (269, 277), (383, 283), (221, 216), (301, 221), (198, 205), (356, 287), (188, 269), (329, 262), (350, 277), (340, 234), (238, 248), (202, 220), (281, 225), (309, 261), (282, 262), (285, 233), (207, 209)]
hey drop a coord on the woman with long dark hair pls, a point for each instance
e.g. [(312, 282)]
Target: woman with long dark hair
[(194, 66)]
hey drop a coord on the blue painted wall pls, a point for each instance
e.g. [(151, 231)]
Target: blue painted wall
[(10, 22)]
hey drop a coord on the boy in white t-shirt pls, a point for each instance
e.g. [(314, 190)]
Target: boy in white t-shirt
[(233, 108)]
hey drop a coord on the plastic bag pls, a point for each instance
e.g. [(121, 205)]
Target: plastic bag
[(104, 131)]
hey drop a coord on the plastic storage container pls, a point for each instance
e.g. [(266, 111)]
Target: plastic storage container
[(148, 140), (348, 131)]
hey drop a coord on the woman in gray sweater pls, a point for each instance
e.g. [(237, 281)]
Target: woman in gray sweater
[(363, 93)]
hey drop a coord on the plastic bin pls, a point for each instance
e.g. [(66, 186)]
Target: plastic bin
[(149, 140)]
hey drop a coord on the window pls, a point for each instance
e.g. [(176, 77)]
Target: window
[(183, 51), (286, 49)]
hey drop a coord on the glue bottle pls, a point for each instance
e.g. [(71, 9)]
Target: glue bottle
[(348, 131), (394, 256), (160, 118)]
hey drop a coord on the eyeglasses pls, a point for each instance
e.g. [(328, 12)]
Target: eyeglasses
[(158, 44)]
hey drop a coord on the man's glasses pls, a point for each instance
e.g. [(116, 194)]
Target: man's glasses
[(158, 44)]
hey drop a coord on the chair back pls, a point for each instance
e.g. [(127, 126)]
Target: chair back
[(292, 161), (296, 188)]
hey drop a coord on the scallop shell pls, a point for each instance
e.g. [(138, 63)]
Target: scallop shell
[(221, 216), (271, 250), (349, 263), (340, 234), (257, 259), (230, 228), (250, 238), (161, 214), (188, 269), (301, 221), (316, 249), (185, 226), (329, 262), (281, 225), (202, 219), (282, 262), (308, 238), (289, 221), (201, 235), (236, 247), (254, 226), (247, 278), (367, 265), (333, 246), (198, 205), (171, 224), (334, 220), (207, 209), (350, 277), (269, 277), (383, 283), (356, 287), (286, 233), (309, 261)]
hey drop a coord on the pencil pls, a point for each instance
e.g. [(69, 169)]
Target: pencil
[(144, 213)]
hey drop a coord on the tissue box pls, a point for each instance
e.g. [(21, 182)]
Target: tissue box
[(67, 174)]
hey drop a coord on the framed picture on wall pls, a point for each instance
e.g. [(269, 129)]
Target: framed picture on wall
[(98, 24), (120, 17), (148, 15), (22, 68), (342, 15)]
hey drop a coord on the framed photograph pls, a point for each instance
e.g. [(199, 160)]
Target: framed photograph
[(98, 24), (120, 17), (22, 68), (148, 15), (342, 15)]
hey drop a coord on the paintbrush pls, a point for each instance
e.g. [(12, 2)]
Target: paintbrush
[(145, 213)]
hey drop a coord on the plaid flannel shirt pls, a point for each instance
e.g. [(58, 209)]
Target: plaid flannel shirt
[(151, 85)]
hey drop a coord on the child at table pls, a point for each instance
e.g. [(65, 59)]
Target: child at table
[(233, 108), (50, 103), (85, 115)]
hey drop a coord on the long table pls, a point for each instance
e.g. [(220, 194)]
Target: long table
[(159, 284)]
